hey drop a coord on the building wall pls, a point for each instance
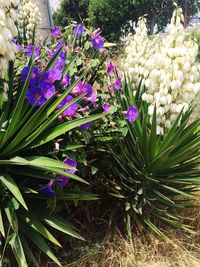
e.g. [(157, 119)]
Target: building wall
[(54, 4), (45, 10)]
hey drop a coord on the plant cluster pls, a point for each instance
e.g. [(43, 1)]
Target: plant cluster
[(142, 141), (29, 19), (166, 65), (50, 93)]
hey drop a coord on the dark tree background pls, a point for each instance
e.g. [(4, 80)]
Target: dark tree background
[(116, 17)]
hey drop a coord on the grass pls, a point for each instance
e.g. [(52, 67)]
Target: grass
[(100, 250), (119, 253)]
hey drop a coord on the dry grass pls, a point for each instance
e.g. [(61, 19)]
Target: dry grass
[(120, 253), (148, 251)]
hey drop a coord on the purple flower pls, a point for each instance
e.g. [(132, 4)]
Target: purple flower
[(86, 125), (92, 98), (58, 46), (97, 42), (29, 50), (77, 90), (117, 83), (106, 107), (60, 62), (19, 47), (35, 96), (81, 88), (132, 113), (110, 68), (52, 75), (47, 89), (66, 81), (71, 163), (87, 89), (35, 74), (78, 30), (47, 189), (56, 31), (62, 179), (70, 111)]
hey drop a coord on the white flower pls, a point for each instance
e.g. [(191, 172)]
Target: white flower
[(167, 64), (8, 31), (30, 18)]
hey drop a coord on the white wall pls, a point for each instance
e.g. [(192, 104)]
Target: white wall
[(54, 4), (46, 22)]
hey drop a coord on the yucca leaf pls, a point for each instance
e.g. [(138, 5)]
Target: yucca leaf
[(28, 252), (17, 109), (39, 242), (59, 224), (160, 159), (76, 195), (10, 184), (39, 227), (19, 252), (38, 131), (153, 137), (170, 135), (58, 130), (12, 218), (2, 225), (156, 230), (180, 192), (145, 143), (37, 174), (37, 161), (44, 163)]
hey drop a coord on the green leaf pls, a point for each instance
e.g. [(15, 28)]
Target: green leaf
[(8, 181), (38, 226), (12, 218), (19, 252), (28, 251), (2, 225), (40, 243), (17, 109), (59, 224), (58, 130), (76, 195), (153, 137)]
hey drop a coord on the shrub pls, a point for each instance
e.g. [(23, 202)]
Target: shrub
[(155, 173), (153, 176), (49, 94)]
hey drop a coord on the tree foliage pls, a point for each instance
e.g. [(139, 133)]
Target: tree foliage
[(71, 10), (116, 18)]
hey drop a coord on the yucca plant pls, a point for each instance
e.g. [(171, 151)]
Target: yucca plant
[(153, 176), (27, 166)]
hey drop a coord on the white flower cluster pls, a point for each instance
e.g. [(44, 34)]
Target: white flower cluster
[(168, 68), (8, 31), (29, 18)]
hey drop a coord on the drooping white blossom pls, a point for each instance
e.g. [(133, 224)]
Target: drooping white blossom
[(29, 19), (168, 68), (8, 31)]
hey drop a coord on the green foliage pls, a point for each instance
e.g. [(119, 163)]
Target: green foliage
[(113, 17), (152, 176), (69, 10), (116, 18), (27, 136)]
